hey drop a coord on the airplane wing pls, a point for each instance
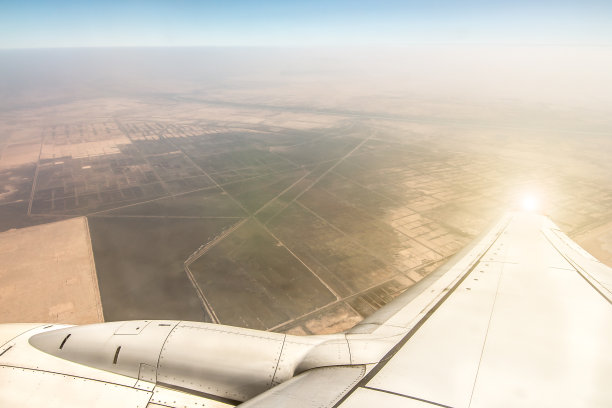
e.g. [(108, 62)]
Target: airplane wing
[(522, 317)]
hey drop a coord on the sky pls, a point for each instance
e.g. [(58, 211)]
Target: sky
[(111, 23)]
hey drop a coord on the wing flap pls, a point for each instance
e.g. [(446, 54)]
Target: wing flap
[(320, 387)]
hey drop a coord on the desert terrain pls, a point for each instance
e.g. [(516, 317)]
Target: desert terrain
[(48, 274), (280, 204)]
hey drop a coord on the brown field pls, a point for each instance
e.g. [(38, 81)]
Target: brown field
[(598, 242), (48, 274)]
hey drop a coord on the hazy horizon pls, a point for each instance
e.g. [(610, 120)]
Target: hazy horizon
[(559, 76), (70, 23)]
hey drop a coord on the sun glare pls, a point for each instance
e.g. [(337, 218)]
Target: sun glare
[(529, 203)]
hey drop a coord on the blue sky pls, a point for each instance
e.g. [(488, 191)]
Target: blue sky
[(43, 24)]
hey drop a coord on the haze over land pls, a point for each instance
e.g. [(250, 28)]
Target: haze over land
[(298, 189)]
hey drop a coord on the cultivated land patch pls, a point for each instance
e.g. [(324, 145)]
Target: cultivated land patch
[(48, 274), (339, 260), (208, 203), (252, 280), (140, 265)]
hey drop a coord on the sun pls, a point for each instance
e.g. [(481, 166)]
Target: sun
[(530, 203)]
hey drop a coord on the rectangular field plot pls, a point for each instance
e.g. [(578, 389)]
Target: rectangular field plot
[(370, 232), (209, 203), (318, 150), (315, 173), (341, 262), (252, 280), (173, 166), (254, 194), (139, 262)]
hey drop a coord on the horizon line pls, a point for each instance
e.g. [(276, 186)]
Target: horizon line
[(312, 46)]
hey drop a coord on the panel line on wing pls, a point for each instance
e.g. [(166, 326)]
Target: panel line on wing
[(408, 396), (579, 270), (363, 383), (484, 345), (199, 393)]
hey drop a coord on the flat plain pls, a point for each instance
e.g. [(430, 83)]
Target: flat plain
[(48, 274), (287, 217)]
